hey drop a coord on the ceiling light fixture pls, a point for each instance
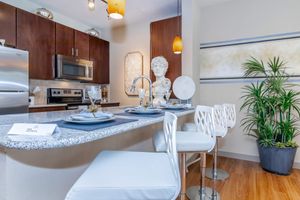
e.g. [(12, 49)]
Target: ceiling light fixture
[(91, 4), (43, 12), (93, 32), (115, 8), (177, 42)]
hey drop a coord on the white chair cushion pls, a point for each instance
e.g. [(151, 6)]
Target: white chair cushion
[(189, 127), (186, 141), (192, 127), (121, 175)]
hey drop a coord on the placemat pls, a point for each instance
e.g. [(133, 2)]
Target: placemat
[(140, 115), (92, 127)]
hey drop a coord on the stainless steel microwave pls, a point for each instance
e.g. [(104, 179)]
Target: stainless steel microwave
[(71, 68)]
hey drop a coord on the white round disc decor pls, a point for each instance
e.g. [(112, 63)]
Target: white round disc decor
[(184, 88)]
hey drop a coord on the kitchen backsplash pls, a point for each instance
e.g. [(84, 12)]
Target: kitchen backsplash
[(41, 97)]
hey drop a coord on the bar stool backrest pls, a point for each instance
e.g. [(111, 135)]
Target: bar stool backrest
[(220, 120), (170, 126), (230, 115), (205, 122)]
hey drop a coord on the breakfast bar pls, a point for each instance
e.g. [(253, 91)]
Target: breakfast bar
[(37, 165)]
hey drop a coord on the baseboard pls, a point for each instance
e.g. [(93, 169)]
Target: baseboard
[(248, 157)]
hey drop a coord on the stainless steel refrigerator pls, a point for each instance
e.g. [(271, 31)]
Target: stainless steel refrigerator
[(14, 81)]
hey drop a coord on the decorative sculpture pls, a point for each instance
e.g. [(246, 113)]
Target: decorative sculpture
[(162, 85)]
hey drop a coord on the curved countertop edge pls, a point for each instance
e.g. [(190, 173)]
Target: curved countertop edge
[(80, 137)]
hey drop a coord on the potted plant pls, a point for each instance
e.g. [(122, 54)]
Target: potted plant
[(272, 109)]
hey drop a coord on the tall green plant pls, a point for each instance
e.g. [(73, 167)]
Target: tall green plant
[(271, 105)]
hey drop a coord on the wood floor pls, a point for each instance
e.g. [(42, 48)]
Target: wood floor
[(248, 181)]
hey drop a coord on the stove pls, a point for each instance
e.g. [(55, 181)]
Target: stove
[(64, 96)]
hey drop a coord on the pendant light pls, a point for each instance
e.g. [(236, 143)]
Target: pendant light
[(116, 8), (91, 4), (177, 42)]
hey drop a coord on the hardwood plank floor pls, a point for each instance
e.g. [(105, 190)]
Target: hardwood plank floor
[(248, 181)]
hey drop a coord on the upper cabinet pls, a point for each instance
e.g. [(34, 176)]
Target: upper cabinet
[(163, 33), (70, 42), (8, 24), (99, 54), (37, 35)]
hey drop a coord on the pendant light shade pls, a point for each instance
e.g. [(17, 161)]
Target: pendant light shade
[(177, 42), (91, 4), (116, 8), (177, 45)]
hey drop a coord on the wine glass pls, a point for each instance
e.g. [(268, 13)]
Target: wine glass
[(168, 95)]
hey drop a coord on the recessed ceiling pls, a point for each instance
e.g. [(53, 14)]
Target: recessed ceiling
[(136, 10)]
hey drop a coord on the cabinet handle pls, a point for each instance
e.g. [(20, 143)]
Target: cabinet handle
[(72, 51), (77, 52)]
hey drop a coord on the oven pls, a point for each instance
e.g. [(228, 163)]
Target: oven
[(71, 68)]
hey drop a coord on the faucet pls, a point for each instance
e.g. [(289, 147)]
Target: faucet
[(132, 88)]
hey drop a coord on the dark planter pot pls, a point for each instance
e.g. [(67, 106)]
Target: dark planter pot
[(277, 160)]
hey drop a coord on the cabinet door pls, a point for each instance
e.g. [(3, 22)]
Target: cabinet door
[(64, 40), (8, 24), (163, 33), (82, 49), (37, 35), (99, 54)]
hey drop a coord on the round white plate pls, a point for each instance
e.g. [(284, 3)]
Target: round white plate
[(184, 88), (144, 111), (93, 121)]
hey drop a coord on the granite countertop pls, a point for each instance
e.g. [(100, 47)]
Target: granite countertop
[(67, 137)]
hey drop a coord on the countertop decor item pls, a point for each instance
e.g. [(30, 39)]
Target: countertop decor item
[(272, 110), (162, 85), (43, 12), (133, 67), (184, 88)]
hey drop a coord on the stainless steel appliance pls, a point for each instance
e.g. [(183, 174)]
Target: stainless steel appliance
[(72, 97), (14, 81), (73, 68)]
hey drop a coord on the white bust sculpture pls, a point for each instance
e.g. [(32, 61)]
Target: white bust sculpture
[(162, 85)]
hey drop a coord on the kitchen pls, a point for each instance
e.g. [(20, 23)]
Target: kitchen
[(71, 57)]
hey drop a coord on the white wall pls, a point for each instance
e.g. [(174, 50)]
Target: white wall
[(123, 40), (191, 41), (235, 20)]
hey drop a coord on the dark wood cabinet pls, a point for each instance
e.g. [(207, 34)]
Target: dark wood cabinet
[(70, 42), (64, 42), (99, 54), (46, 109), (8, 24), (81, 43), (163, 33), (37, 35)]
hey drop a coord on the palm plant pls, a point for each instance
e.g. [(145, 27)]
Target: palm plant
[(271, 105)]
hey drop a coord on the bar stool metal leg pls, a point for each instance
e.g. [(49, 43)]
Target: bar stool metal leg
[(201, 192), (183, 175), (215, 173)]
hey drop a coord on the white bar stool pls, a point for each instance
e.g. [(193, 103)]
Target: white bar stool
[(221, 131), (230, 114), (123, 175), (200, 141)]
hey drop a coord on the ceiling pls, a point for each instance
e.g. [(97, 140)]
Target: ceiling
[(137, 11)]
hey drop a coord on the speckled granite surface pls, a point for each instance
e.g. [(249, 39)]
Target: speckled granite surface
[(67, 137)]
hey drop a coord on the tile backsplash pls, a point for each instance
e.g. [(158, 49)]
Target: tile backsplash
[(41, 97)]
